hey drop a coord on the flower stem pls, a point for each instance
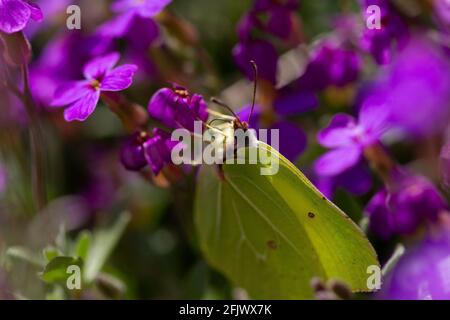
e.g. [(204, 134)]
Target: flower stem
[(133, 116), (381, 162), (36, 144)]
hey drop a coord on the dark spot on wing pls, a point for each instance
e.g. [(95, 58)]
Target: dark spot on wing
[(272, 244), (311, 215)]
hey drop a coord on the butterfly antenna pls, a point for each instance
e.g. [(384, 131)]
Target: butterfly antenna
[(255, 87), (222, 104)]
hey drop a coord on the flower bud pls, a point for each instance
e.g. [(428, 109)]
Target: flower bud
[(132, 153)]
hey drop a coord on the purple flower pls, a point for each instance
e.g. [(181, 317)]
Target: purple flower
[(408, 202), (270, 16), (267, 16), (142, 149), (15, 14), (422, 273), (292, 100), (62, 60), (330, 65), (83, 96), (53, 11), (356, 180), (158, 150), (133, 17), (348, 138), (246, 25), (417, 89), (131, 12), (132, 153), (144, 8), (176, 107), (379, 42), (263, 53)]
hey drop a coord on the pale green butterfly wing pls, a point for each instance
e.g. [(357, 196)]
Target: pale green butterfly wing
[(272, 234)]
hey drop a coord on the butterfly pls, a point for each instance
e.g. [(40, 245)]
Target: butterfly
[(271, 234)]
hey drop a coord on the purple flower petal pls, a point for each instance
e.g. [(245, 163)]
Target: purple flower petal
[(146, 8), (244, 115), (119, 78), (186, 113), (280, 23), (357, 180), (380, 42), (337, 161), (70, 92), (421, 273), (292, 139), (147, 69), (330, 65), (82, 108), (151, 8), (326, 185), (411, 200), (118, 26), (339, 132), (263, 53), (14, 15), (374, 120), (246, 25), (442, 9), (140, 41), (160, 107), (124, 5), (177, 108), (158, 150), (419, 88), (132, 153), (199, 107), (291, 102), (36, 12), (97, 68), (380, 222)]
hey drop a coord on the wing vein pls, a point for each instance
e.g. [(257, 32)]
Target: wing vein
[(264, 217)]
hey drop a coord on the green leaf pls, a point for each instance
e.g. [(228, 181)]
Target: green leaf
[(103, 242), (50, 253), (82, 245), (56, 270), (272, 234)]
